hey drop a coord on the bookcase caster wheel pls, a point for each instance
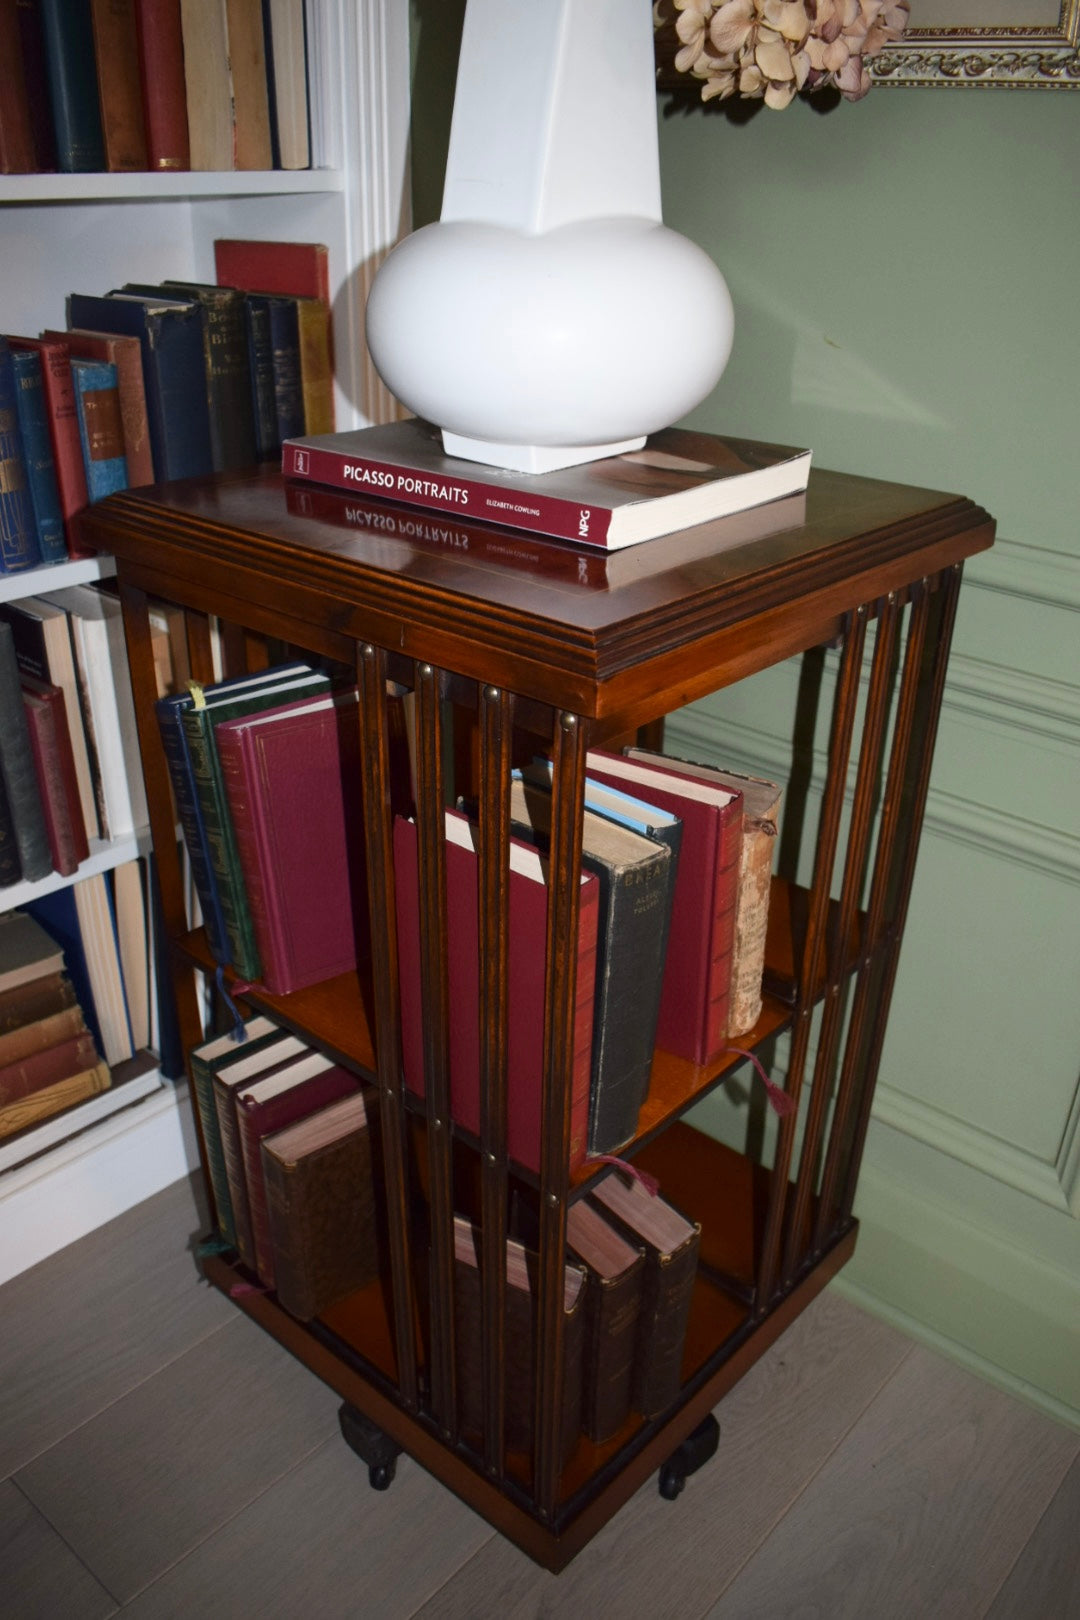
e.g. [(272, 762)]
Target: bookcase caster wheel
[(693, 1454), (371, 1446)]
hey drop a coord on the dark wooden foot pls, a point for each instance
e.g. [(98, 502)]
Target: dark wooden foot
[(371, 1446), (693, 1454)]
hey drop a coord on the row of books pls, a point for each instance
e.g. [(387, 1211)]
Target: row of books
[(149, 383), (292, 1150), (69, 760), (129, 85)]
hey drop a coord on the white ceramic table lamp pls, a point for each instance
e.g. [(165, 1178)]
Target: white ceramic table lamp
[(550, 317)]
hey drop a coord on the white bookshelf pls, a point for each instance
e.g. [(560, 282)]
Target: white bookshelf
[(89, 233)]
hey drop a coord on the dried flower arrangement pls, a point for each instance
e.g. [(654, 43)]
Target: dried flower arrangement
[(771, 49)]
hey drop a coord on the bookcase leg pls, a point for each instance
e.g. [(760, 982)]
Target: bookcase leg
[(693, 1454), (371, 1446)]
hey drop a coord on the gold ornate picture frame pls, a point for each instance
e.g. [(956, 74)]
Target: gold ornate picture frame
[(1017, 44)]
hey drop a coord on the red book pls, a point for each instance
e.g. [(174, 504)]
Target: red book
[(125, 353), (161, 61), (528, 921), (17, 154), (696, 996), (54, 765), (677, 480), (297, 269), (60, 408), (285, 1095), (292, 779), (120, 96), (30, 1074)]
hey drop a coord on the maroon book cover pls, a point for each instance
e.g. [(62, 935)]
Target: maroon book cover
[(528, 920), (696, 996), (292, 776), (161, 59), (269, 1104), (54, 766), (125, 353), (296, 269), (59, 391), (17, 155), (120, 95), (59, 736), (46, 1068)]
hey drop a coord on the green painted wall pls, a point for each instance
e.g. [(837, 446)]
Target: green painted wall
[(903, 273)]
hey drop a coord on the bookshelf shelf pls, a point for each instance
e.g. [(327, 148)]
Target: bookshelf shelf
[(80, 571), (159, 186), (104, 856), (499, 661)]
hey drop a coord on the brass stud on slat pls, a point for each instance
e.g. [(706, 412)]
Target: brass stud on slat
[(568, 721), (491, 693)]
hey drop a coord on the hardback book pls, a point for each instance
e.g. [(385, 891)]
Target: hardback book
[(671, 1244), (120, 98), (38, 455), (301, 269), (28, 954), (48, 993), (525, 992), (101, 427), (96, 914), (196, 840), (320, 1200), (73, 90), (102, 672), (17, 768), (161, 66), (614, 1272), (265, 1106), (54, 764), (10, 865), (19, 547), (21, 1076), (58, 916), (125, 353), (36, 78), (250, 94), (228, 1075), (43, 650), (695, 1003), (50, 1100), (26, 1040), (292, 781), (316, 364), (126, 884), (17, 154), (283, 327), (208, 83), (203, 1061), (636, 877), (261, 370), (522, 1270), (228, 371), (228, 701), (677, 479), (174, 376), (59, 393), (286, 73), (760, 820)]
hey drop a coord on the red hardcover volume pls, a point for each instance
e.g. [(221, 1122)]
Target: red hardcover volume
[(296, 269), (59, 391), (678, 479), (528, 916), (54, 764), (696, 996), (125, 353), (292, 779), (161, 59), (46, 1068)]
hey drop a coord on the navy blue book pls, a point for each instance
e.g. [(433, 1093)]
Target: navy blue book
[(188, 808), (170, 1047), (19, 547), (261, 364), (38, 451), (174, 374), (59, 917), (101, 427), (71, 70), (284, 326)]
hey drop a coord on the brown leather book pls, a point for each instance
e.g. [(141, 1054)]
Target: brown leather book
[(614, 1272), (671, 1245), (51, 992), (39, 1105), (208, 87), (17, 154), (161, 61), (521, 1284), (228, 1077), (125, 353), (320, 1202), (54, 763), (41, 1033), (251, 105), (116, 51), (43, 1069)]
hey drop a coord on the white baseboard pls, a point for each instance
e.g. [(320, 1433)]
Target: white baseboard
[(52, 1200)]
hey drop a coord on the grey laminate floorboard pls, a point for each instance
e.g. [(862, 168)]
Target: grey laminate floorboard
[(321, 1542), (671, 1559), (1045, 1580), (90, 1323), (921, 1511), (40, 1577), (143, 1483)]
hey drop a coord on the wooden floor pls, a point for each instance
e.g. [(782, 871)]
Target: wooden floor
[(161, 1457)]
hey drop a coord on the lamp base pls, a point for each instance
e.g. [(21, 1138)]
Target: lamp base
[(533, 458)]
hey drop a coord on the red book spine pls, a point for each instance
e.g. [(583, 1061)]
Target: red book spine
[(41, 722), (120, 94), (161, 59), (415, 486), (59, 738), (126, 355), (59, 392), (17, 154), (295, 269), (47, 1068)]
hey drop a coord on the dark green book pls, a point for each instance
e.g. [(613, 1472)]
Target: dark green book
[(274, 688), (204, 1061)]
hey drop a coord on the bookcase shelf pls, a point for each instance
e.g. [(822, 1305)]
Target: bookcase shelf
[(161, 186), (517, 658)]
